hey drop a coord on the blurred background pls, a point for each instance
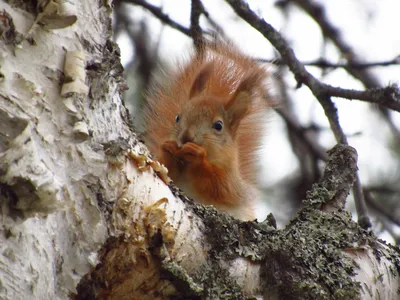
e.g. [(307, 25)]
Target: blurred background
[(351, 44)]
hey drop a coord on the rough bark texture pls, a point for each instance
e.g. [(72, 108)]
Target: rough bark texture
[(55, 193), (84, 215)]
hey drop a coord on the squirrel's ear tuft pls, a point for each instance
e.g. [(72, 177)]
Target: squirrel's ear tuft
[(240, 103), (200, 81)]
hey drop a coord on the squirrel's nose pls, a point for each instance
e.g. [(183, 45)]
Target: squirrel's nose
[(185, 137)]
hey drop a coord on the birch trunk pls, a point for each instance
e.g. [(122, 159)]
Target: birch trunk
[(84, 214)]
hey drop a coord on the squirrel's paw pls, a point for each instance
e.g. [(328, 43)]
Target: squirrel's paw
[(192, 153), (171, 147)]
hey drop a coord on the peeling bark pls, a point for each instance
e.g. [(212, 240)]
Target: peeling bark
[(54, 188)]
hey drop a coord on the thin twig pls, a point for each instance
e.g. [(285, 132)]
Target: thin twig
[(384, 189), (380, 208), (138, 33), (317, 12), (388, 96), (296, 128), (218, 29), (322, 63), (157, 12), (197, 33), (304, 145)]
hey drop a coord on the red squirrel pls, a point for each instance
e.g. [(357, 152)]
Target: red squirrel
[(206, 124)]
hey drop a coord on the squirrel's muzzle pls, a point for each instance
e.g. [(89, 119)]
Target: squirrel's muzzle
[(185, 137)]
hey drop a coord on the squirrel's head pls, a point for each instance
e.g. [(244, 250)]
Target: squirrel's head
[(209, 121)]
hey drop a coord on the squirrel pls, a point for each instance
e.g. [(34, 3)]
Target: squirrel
[(206, 127)]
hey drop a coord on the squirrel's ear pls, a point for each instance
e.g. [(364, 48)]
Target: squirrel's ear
[(200, 81), (239, 104)]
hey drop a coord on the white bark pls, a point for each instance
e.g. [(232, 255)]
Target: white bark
[(50, 234), (376, 276), (62, 196)]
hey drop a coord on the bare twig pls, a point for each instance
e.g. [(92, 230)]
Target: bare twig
[(304, 145), (218, 29), (388, 96), (384, 189), (380, 208), (322, 63), (298, 130), (317, 12), (157, 12), (197, 33), (389, 228), (139, 35)]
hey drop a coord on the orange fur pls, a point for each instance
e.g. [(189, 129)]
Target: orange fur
[(215, 168)]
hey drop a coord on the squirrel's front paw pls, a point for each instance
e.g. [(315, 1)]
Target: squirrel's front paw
[(168, 158), (171, 147), (192, 153)]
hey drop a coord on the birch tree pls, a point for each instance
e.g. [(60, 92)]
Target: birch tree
[(86, 212)]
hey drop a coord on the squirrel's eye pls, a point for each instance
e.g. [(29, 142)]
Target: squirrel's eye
[(218, 125), (177, 118)]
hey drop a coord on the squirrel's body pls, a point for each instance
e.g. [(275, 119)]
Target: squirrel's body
[(206, 126)]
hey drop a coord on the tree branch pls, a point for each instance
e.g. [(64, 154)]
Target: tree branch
[(317, 13), (387, 213), (302, 76), (157, 12), (197, 33), (322, 63), (298, 130)]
